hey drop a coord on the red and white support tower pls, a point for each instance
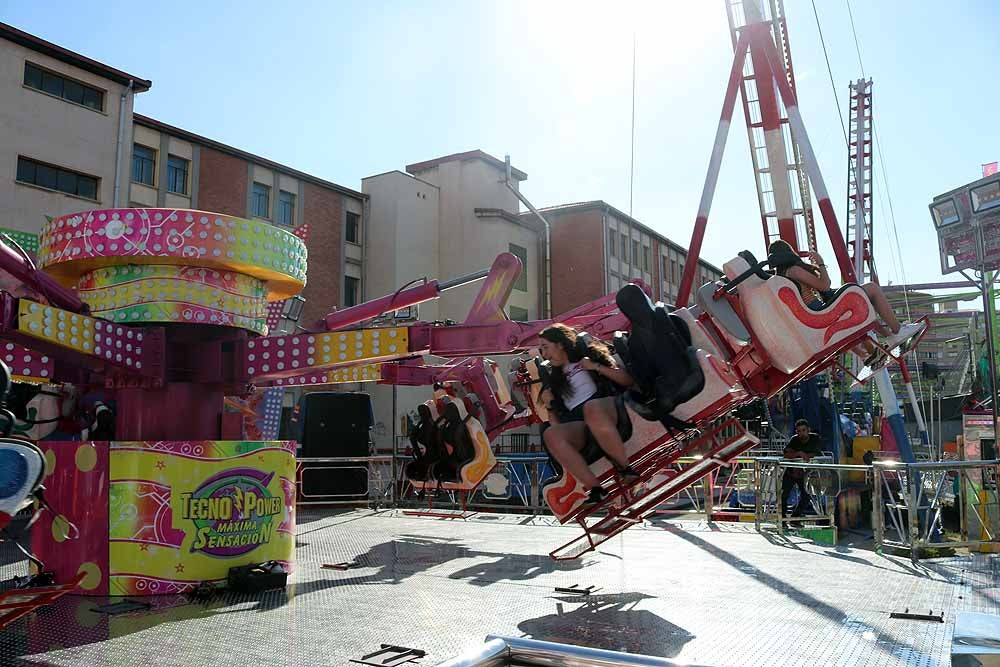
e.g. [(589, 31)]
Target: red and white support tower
[(782, 184), (859, 182)]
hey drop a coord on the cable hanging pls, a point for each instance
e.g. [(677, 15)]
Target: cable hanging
[(885, 180)]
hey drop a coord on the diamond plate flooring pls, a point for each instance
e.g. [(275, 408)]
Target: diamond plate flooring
[(708, 594)]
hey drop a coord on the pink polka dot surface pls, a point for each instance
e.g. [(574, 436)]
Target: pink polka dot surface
[(72, 245)]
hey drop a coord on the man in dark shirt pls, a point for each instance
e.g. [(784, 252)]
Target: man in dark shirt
[(804, 445)]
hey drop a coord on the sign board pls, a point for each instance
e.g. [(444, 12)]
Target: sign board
[(959, 216)]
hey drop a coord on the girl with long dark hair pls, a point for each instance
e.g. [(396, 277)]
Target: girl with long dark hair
[(577, 405)]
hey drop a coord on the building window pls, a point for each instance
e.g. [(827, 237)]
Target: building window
[(353, 230), (635, 253), (624, 252), (611, 243), (260, 201), (143, 164), (647, 259), (286, 208), (522, 254), (56, 178), (68, 89), (664, 269), (352, 291), (680, 271), (518, 314), (177, 175)]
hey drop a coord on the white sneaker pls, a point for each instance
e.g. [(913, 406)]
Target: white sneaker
[(905, 332)]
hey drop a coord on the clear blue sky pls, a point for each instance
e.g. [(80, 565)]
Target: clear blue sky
[(348, 89)]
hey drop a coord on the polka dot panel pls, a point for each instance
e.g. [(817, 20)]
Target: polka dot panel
[(28, 242), (56, 326), (27, 365), (361, 373), (95, 337), (302, 352), (75, 244), (134, 294)]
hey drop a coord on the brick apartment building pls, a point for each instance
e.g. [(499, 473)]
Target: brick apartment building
[(176, 168), (597, 249)]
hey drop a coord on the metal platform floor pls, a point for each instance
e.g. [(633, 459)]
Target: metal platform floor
[(706, 594)]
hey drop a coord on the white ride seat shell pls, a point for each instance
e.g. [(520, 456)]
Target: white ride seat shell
[(725, 318), (786, 329), (721, 387), (700, 337)]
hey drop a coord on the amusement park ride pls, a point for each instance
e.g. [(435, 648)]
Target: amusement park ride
[(163, 312)]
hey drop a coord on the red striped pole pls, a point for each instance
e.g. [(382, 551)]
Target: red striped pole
[(809, 159), (774, 142), (712, 177)]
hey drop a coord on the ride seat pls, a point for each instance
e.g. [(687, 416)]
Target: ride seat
[(701, 338), (721, 392), (479, 459), (722, 313), (785, 328), (22, 467)]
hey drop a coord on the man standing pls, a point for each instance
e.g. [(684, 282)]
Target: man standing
[(803, 446)]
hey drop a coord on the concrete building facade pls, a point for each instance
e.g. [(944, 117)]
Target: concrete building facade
[(65, 131), (430, 222), (441, 219)]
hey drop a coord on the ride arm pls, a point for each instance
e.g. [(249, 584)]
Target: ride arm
[(20, 267), (320, 352), (402, 298), (79, 340)]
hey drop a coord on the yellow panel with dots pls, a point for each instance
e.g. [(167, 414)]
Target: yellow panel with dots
[(56, 326), (362, 373), (344, 346)]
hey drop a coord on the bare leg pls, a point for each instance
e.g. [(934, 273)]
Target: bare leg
[(881, 305), (564, 442), (601, 417)]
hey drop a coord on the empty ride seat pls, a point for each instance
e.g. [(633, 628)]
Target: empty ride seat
[(721, 392), (722, 386), (785, 328), (701, 337), (722, 313), (660, 356)]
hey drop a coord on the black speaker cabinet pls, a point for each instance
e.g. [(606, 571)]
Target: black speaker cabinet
[(334, 425)]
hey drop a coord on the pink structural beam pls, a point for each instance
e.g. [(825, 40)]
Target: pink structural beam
[(306, 358), (23, 269), (501, 276), (756, 38)]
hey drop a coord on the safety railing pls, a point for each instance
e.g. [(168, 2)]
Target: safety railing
[(821, 480), (728, 487), (918, 501), (376, 471)]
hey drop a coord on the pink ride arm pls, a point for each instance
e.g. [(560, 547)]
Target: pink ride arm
[(39, 282)]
